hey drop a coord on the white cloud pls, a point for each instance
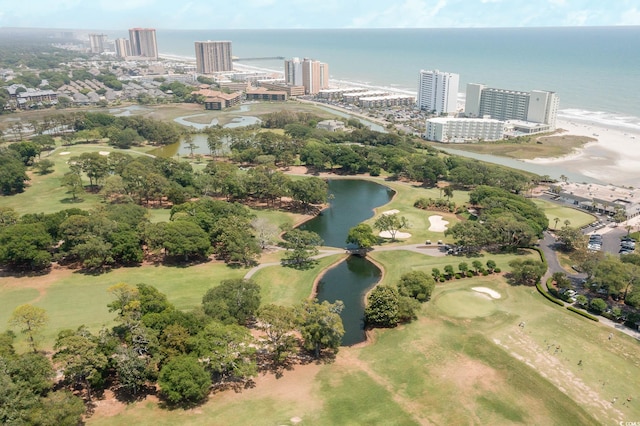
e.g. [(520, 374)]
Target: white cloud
[(630, 17), (578, 18), (410, 14), (111, 5), (557, 2)]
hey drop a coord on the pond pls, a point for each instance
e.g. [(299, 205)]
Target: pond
[(352, 202)]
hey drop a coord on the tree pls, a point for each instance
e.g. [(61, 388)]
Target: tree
[(73, 182), (362, 235), (58, 408), (235, 242), (13, 172), (448, 192), (382, 307), (308, 191), (448, 271), (301, 246), (179, 238), (597, 305), (266, 232), (44, 167), (226, 351), (31, 320), (79, 357), (582, 300), (278, 322), (25, 246), (417, 285), (463, 267), (131, 369), (233, 301), (391, 223), (183, 380), (491, 265), (320, 325), (570, 238), (477, 266), (527, 272)]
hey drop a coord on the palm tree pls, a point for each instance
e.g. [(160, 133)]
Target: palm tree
[(556, 220)]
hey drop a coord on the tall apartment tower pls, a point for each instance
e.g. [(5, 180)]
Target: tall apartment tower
[(293, 72), (143, 42), (315, 76), (438, 91), (213, 56), (123, 48), (537, 106), (97, 42)]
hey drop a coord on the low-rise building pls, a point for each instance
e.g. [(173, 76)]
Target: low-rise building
[(331, 125), (264, 94), (215, 100), (386, 101), (605, 199), (460, 130), (280, 85)]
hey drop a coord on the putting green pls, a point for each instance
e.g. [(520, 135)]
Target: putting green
[(465, 304)]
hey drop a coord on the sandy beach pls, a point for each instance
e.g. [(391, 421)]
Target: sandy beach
[(614, 158)]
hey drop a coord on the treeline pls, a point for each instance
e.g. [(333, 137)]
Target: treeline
[(187, 354), (116, 233), (505, 221)]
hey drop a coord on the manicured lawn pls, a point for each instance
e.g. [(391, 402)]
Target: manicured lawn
[(72, 299), (288, 286), (577, 218)]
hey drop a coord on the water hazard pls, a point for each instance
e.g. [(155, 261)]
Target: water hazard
[(352, 202)]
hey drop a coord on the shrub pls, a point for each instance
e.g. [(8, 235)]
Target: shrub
[(597, 305), (469, 274), (485, 272), (497, 270), (583, 313), (458, 276), (548, 296), (442, 279)]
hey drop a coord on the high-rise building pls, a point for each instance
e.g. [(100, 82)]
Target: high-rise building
[(293, 72), (315, 76), (437, 91), (123, 47), (143, 42), (213, 56), (97, 42), (536, 106)]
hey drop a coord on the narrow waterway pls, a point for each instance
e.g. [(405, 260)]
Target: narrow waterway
[(352, 202)]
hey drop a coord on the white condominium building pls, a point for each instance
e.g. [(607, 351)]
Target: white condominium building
[(97, 42), (213, 56), (459, 130), (438, 91), (293, 72), (123, 47), (536, 106), (312, 74)]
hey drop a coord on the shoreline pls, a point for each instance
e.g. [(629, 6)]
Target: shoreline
[(613, 158)]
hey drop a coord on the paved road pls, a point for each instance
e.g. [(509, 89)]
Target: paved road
[(548, 245)]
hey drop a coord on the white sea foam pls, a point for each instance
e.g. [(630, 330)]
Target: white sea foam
[(601, 118)]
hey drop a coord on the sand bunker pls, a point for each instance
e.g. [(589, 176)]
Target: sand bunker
[(492, 293), (65, 153), (399, 235), (104, 153), (437, 223), (389, 212)]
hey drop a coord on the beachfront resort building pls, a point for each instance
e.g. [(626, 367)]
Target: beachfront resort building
[(461, 130), (311, 74), (123, 48), (97, 42), (537, 106), (143, 43), (213, 56), (604, 199), (438, 92)]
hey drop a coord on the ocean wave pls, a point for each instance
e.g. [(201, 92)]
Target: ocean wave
[(622, 121)]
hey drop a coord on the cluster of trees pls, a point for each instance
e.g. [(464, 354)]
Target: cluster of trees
[(13, 172), (388, 306), (619, 278), (186, 353), (464, 270), (506, 221)]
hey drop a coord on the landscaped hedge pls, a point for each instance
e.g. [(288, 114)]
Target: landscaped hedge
[(583, 313), (548, 296), (542, 258)]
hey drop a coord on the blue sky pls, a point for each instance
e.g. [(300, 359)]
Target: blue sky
[(252, 14)]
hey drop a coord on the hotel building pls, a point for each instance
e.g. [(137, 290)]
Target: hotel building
[(438, 92), (123, 48), (213, 56), (143, 42), (460, 130), (311, 74), (97, 42), (537, 106)]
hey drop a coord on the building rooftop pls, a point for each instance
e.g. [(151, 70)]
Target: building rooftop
[(608, 193), (449, 119)]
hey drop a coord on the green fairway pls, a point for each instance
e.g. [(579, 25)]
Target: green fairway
[(577, 218), (465, 304)]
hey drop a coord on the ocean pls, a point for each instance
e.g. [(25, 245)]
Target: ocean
[(594, 70)]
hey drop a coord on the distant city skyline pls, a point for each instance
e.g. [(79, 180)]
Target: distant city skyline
[(279, 14)]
